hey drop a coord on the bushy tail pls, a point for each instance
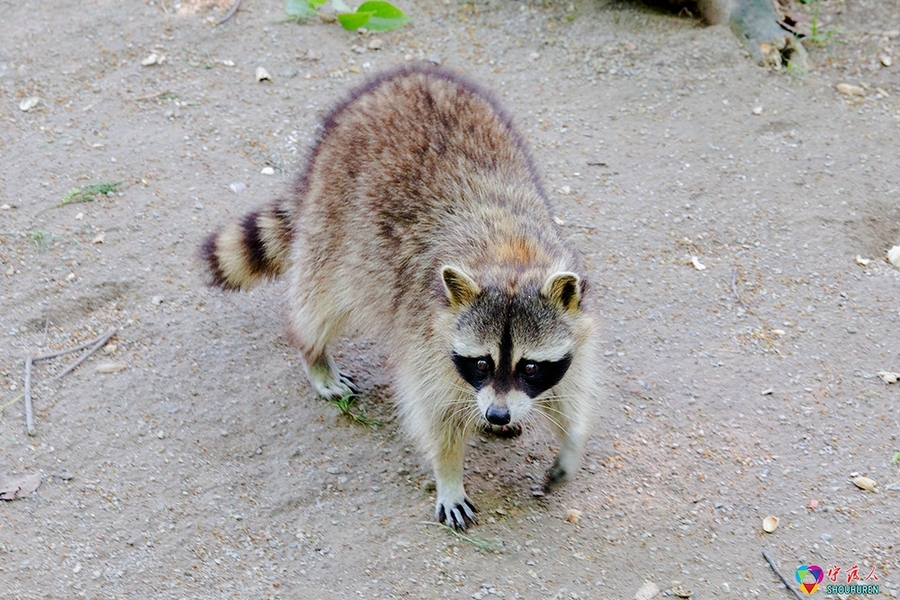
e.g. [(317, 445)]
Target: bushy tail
[(250, 249)]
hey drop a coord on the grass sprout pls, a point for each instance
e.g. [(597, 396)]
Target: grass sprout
[(480, 543), (345, 403), (89, 192)]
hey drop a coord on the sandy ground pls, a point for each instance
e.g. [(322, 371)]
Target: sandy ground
[(208, 469)]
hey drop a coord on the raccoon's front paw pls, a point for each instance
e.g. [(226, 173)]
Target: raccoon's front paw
[(555, 476), (328, 385), (457, 513)]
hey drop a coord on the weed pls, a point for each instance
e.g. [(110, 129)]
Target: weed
[(816, 34), (89, 192), (480, 543), (373, 15), (344, 404), (41, 239)]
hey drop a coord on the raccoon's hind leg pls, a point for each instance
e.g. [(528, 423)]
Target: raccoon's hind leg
[(569, 420), (315, 322)]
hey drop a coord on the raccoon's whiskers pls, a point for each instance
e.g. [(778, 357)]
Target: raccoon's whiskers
[(554, 421), (455, 386), (552, 408), (540, 431)]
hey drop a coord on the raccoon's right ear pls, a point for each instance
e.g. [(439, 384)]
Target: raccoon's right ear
[(460, 288), (564, 289)]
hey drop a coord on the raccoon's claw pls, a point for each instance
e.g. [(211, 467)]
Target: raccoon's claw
[(332, 386), (504, 431), (347, 381), (459, 516)]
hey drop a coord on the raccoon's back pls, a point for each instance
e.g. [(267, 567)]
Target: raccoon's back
[(400, 141), (413, 168)]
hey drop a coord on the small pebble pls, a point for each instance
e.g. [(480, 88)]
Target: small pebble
[(152, 59), (161, 434), (77, 569), (894, 256), (850, 90), (63, 474), (29, 103), (375, 44), (268, 171), (886, 60), (237, 187), (757, 110), (262, 74)]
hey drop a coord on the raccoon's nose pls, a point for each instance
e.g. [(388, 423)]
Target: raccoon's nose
[(497, 415)]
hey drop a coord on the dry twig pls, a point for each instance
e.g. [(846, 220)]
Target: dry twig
[(94, 345), (100, 341), (780, 576), (234, 8), (734, 290), (29, 413)]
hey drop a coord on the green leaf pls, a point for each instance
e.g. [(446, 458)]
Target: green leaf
[(382, 10), (317, 2), (385, 16), (896, 459), (300, 9), (353, 21)]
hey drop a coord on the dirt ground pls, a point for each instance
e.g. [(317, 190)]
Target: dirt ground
[(206, 468)]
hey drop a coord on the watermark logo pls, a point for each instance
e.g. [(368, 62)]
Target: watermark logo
[(809, 577)]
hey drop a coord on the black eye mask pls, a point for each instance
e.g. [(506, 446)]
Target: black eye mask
[(532, 377), (475, 370), (535, 377)]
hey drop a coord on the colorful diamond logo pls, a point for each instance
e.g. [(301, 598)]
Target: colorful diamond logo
[(809, 577)]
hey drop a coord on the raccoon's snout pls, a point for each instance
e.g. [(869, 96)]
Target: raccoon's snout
[(497, 415)]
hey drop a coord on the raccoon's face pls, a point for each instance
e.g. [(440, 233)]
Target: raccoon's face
[(512, 349)]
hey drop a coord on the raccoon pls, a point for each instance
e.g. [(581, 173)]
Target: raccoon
[(420, 220)]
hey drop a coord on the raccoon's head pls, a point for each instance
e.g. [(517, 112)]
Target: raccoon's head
[(512, 347)]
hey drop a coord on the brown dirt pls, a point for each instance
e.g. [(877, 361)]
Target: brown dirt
[(208, 469)]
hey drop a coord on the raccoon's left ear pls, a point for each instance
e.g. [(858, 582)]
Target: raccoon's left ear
[(563, 289), (460, 288)]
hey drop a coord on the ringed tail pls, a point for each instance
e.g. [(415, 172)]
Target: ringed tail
[(247, 250)]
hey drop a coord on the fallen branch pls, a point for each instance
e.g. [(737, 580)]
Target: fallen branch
[(734, 290), (150, 96), (94, 345), (86, 344), (29, 413), (100, 341), (780, 576), (234, 8)]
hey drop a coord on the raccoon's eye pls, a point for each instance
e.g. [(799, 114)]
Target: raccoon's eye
[(536, 377), (475, 370)]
